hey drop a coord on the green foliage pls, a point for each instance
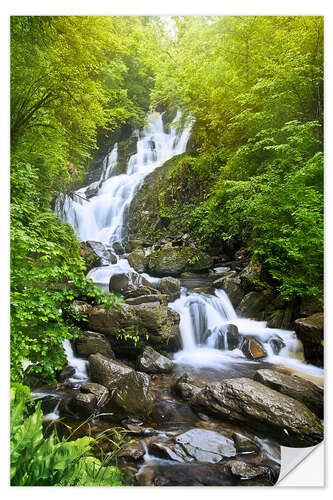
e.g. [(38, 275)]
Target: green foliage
[(37, 460), (254, 85)]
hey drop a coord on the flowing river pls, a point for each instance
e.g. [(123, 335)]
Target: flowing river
[(204, 317)]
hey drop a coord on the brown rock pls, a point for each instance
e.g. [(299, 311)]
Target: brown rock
[(310, 331)]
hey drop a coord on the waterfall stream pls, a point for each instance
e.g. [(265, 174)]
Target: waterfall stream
[(204, 318)]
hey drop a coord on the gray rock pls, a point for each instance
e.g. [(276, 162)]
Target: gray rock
[(253, 404), (152, 361), (134, 394), (296, 387), (174, 260), (206, 446), (118, 248), (232, 287), (90, 257), (100, 250), (310, 331), (101, 393), (228, 337), (132, 451), (248, 471), (244, 444), (138, 260), (107, 372), (144, 299), (254, 304), (91, 343), (185, 387), (276, 344), (82, 404), (169, 286), (130, 285)]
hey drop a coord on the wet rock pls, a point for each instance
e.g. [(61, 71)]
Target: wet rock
[(82, 404), (153, 324), (169, 286), (228, 337), (91, 259), (185, 387), (130, 285), (131, 245), (138, 260), (107, 372), (106, 256), (232, 288), (101, 393), (296, 387), (152, 361), (250, 276), (118, 248), (144, 299), (254, 304), (276, 344), (146, 476), (206, 446), (92, 190), (194, 445), (169, 450), (134, 394), (131, 451), (244, 444), (219, 282), (281, 318), (174, 260), (253, 404), (310, 306), (91, 343), (252, 349), (66, 373), (248, 471), (310, 331)]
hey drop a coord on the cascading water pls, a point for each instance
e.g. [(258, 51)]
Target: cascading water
[(101, 217), (204, 320)]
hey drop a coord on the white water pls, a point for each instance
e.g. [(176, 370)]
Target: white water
[(203, 316), (101, 217), (80, 365)]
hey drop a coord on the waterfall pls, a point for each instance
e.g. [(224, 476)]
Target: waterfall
[(204, 320), (101, 217)]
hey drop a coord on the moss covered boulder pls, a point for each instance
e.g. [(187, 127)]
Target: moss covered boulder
[(175, 260)]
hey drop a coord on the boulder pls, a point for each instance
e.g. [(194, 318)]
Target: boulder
[(231, 285), (144, 299), (107, 372), (228, 337), (185, 387), (255, 405), (218, 283), (276, 344), (134, 394), (296, 387), (91, 343), (101, 393), (310, 332), (130, 285), (194, 445), (244, 444), (106, 256), (81, 308), (159, 323), (174, 260), (132, 451), (82, 404), (118, 248), (92, 190), (138, 260), (169, 286), (310, 306), (131, 245), (66, 372), (254, 304), (248, 471), (152, 361), (281, 318), (250, 276), (253, 349), (91, 259)]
